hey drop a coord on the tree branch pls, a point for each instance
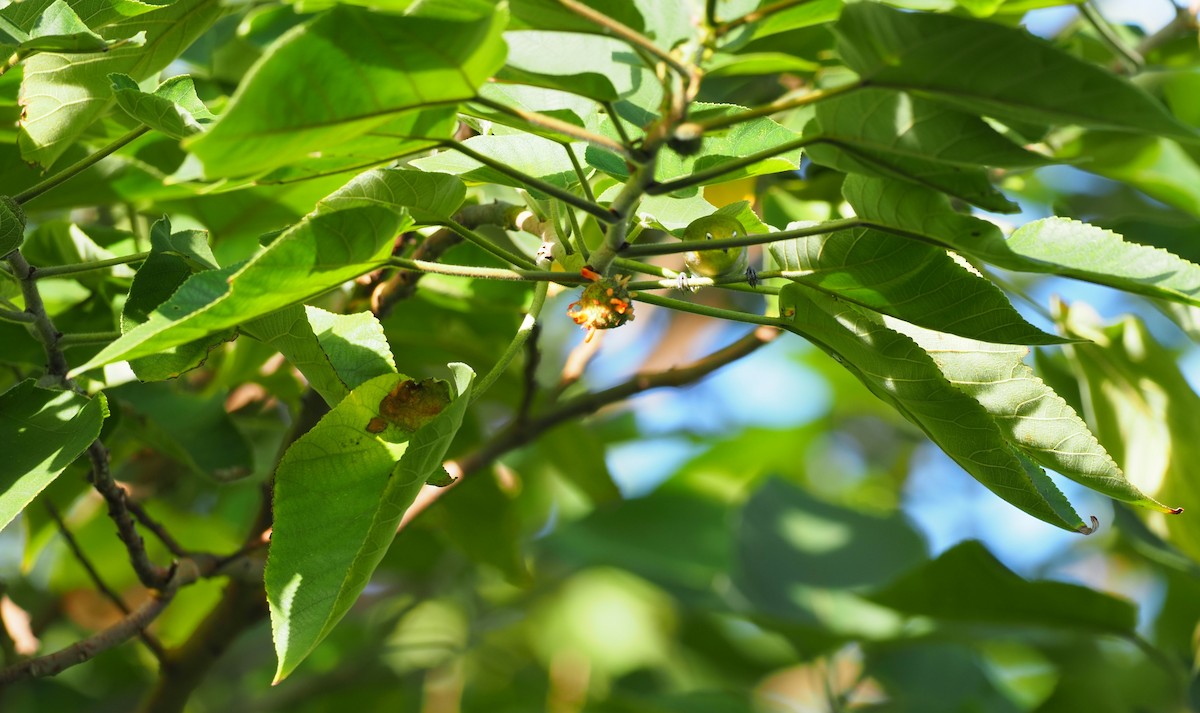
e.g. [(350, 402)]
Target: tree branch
[(520, 432), (73, 544), (184, 573)]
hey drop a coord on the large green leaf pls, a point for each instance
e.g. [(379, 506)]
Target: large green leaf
[(918, 283), (43, 431), (1053, 246), (63, 93), (407, 133), (340, 491), (968, 584), (351, 232), (993, 70), (898, 371), (1034, 418), (601, 68), (900, 135), (1142, 408), (341, 75), (335, 352)]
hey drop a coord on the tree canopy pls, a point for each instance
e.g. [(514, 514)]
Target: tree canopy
[(599, 355)]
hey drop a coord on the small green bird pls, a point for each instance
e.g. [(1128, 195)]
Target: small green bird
[(718, 262)]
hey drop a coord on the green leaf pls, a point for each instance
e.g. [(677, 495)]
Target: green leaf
[(336, 353), (341, 75), (805, 14), (64, 93), (350, 233), (1034, 418), (994, 70), (900, 373), (173, 258), (899, 135), (21, 18), (917, 283), (968, 584), (340, 492), (12, 225), (530, 154), (173, 108), (194, 429), (1052, 246), (408, 133), (43, 431), (588, 65), (60, 29), (1141, 407)]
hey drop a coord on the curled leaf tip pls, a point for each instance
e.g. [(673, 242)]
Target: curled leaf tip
[(1085, 530), (1174, 511)]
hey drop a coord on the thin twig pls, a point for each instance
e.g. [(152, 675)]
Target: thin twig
[(816, 95), (157, 528), (81, 651), (557, 125), (73, 544), (626, 33), (616, 122), (759, 14), (518, 341), (1128, 55), (83, 339), (706, 176), (14, 316), (41, 273), (78, 167), (150, 574), (562, 194), (519, 433), (682, 246)]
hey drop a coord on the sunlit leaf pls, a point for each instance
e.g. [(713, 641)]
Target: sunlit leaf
[(1052, 245), (899, 135), (1034, 418), (173, 108), (896, 370), (915, 282), (336, 353), (351, 232), (993, 70), (340, 491), (63, 93), (43, 432), (1141, 406), (341, 75)]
